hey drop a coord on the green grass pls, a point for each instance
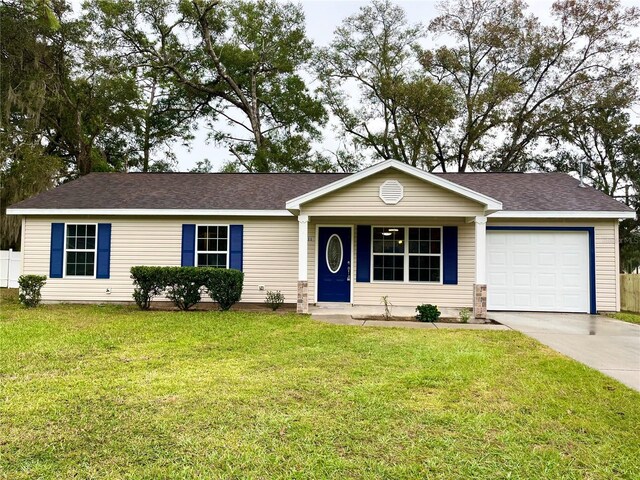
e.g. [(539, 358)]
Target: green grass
[(627, 317), (110, 392)]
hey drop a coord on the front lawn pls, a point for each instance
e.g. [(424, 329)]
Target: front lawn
[(111, 392), (627, 317)]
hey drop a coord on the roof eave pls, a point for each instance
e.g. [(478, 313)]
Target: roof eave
[(604, 214), (170, 212)]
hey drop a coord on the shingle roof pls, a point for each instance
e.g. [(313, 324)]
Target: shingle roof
[(537, 191), (235, 191), (270, 191)]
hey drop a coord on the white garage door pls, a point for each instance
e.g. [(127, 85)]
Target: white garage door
[(538, 271)]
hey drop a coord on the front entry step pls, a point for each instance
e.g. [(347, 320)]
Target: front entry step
[(332, 305)]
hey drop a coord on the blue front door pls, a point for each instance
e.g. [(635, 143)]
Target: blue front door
[(334, 264)]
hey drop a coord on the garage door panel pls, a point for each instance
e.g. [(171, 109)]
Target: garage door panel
[(572, 239), (538, 271), (521, 241), (546, 259), (497, 258), (572, 301), (546, 280), (521, 259), (571, 260), (545, 240), (521, 279), (498, 279), (500, 298), (571, 280), (496, 240), (523, 299), (547, 301)]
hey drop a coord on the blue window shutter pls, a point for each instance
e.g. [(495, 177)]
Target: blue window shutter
[(363, 253), (235, 243), (450, 255), (188, 245), (104, 250), (57, 250)]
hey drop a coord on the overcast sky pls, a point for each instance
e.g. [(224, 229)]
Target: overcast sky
[(322, 17)]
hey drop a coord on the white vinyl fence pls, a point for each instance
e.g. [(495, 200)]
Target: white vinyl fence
[(10, 267)]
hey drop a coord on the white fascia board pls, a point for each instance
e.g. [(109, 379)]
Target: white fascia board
[(170, 212), (562, 214), (490, 203)]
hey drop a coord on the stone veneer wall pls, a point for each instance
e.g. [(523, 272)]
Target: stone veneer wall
[(479, 300), (303, 297)]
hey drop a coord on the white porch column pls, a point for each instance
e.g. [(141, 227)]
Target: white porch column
[(303, 283), (481, 250), (480, 285)]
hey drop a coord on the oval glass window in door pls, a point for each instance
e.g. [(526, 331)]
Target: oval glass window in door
[(334, 253)]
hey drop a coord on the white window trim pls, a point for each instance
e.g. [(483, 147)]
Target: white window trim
[(406, 255), (94, 250), (197, 251)]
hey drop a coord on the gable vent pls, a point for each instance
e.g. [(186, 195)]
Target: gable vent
[(391, 192)]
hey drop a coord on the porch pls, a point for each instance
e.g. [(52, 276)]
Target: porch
[(344, 265), (394, 232), (374, 312)]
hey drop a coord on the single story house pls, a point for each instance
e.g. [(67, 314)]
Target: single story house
[(502, 241)]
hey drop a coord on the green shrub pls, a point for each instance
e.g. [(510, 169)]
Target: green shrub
[(30, 286), (224, 286), (149, 282), (427, 313), (465, 315), (274, 300), (184, 285)]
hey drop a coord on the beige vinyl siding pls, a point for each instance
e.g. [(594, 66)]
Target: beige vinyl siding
[(607, 273), (421, 199), (607, 278), (269, 256), (404, 293)]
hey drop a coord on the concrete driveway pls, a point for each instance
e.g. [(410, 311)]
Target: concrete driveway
[(608, 345)]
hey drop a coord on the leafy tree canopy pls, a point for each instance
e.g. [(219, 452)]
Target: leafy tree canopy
[(373, 51), (242, 60)]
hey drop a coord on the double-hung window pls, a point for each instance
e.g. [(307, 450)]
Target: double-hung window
[(402, 254), (212, 246), (425, 253), (388, 254), (80, 250)]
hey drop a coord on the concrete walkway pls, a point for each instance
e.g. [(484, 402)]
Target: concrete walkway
[(349, 320), (608, 345)]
